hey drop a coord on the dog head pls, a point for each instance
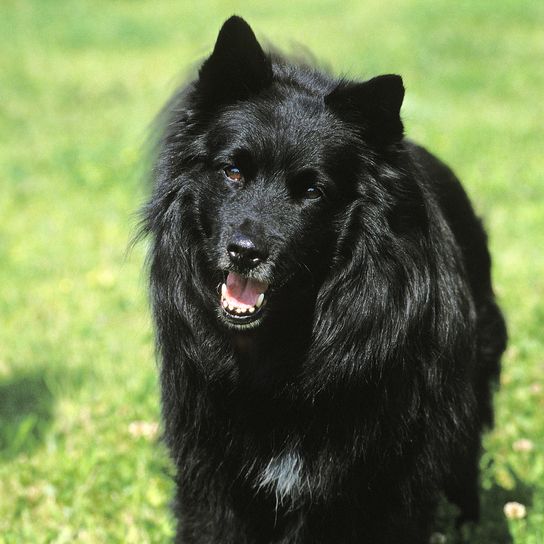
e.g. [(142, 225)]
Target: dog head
[(260, 166)]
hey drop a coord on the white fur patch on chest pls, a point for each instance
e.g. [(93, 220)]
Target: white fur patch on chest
[(283, 476)]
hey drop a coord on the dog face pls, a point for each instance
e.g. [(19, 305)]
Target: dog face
[(272, 193), (273, 161)]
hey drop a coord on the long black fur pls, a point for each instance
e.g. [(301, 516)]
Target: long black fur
[(362, 394)]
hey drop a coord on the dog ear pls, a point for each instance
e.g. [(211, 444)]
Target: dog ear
[(373, 106), (237, 67)]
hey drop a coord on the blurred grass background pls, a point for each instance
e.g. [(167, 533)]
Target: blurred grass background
[(80, 82)]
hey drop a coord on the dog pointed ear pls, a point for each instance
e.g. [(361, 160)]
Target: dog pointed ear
[(373, 106), (237, 67)]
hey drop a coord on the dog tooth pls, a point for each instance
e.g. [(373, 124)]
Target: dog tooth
[(259, 300), (251, 309), (225, 303), (231, 307), (239, 310), (223, 289)]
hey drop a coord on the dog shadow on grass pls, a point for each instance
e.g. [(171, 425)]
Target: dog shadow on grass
[(26, 409), (26, 405)]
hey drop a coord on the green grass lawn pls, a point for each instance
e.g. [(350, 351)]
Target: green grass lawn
[(80, 82)]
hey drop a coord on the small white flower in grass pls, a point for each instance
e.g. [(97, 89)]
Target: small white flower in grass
[(438, 538), (33, 493), (523, 444), (535, 388), (143, 429), (514, 510)]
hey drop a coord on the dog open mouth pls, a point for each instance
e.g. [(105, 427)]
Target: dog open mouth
[(242, 299)]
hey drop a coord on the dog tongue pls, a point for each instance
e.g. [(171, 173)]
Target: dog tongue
[(242, 291)]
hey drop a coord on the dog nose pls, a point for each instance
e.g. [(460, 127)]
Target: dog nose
[(243, 251)]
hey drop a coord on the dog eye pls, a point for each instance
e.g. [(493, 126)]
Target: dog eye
[(305, 185), (311, 193), (233, 174)]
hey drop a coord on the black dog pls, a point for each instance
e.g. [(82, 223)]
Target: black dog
[(323, 307)]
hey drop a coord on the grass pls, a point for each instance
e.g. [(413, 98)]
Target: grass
[(79, 83)]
